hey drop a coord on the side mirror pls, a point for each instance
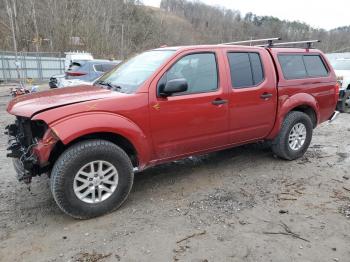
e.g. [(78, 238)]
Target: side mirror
[(174, 86)]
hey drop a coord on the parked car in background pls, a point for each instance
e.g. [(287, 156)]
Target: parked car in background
[(342, 69), (56, 80), (76, 56), (82, 72), (163, 105), (72, 59)]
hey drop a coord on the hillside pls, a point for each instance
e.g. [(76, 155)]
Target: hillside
[(119, 28), (217, 25)]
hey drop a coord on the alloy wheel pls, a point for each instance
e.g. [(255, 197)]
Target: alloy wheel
[(95, 182)]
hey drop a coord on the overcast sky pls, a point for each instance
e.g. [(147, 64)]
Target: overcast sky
[(317, 13)]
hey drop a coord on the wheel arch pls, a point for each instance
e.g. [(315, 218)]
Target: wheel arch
[(301, 102), (116, 139), (97, 125), (307, 109)]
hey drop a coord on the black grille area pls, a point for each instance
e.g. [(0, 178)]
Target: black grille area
[(24, 134), (38, 129)]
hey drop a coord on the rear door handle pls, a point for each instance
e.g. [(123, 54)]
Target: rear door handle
[(219, 101), (265, 95)]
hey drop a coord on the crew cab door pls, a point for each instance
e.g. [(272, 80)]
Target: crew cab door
[(194, 120), (252, 93)]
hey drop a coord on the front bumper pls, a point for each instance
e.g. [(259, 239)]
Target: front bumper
[(23, 160), (30, 154)]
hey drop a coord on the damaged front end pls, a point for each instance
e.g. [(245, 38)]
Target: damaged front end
[(30, 143)]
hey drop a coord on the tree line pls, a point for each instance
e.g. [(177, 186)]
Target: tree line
[(120, 28)]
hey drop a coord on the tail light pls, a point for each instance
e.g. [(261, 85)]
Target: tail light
[(75, 73), (337, 87)]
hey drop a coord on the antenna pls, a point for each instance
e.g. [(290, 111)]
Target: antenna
[(268, 40), (307, 42)]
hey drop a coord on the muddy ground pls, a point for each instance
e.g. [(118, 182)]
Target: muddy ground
[(235, 205)]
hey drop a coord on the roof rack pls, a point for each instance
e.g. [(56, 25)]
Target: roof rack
[(307, 42), (268, 40)]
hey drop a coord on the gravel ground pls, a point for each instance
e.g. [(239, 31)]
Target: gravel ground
[(240, 204)]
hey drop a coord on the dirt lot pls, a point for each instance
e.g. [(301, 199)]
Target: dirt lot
[(236, 205)]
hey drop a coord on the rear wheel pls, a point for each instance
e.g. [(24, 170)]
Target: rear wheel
[(91, 178), (294, 137)]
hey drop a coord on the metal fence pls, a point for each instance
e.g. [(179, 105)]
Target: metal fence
[(39, 66)]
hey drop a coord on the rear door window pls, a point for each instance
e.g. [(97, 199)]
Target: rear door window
[(298, 66), (257, 70), (246, 69)]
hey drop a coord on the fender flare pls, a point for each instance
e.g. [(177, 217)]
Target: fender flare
[(70, 128), (287, 104)]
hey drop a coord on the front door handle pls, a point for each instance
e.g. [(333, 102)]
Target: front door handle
[(265, 96), (219, 101)]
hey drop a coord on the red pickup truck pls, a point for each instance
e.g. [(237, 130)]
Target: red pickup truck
[(167, 104)]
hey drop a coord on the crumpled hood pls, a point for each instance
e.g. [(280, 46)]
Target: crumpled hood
[(30, 104)]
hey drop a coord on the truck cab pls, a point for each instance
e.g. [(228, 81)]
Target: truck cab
[(166, 104)]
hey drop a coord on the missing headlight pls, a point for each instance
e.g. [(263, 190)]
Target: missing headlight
[(39, 128)]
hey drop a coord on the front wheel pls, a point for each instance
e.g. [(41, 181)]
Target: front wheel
[(91, 178), (294, 137)]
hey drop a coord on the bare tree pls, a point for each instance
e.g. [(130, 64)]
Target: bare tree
[(120, 28)]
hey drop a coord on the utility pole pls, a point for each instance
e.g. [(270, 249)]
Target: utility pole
[(35, 28), (12, 24), (37, 42)]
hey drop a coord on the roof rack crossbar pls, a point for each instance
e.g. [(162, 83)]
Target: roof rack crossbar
[(307, 42), (268, 40)]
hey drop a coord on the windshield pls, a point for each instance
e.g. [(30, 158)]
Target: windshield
[(130, 75), (341, 64)]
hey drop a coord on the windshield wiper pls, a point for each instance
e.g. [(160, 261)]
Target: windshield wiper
[(109, 85)]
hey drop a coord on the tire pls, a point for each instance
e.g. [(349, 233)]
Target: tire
[(69, 165), (281, 146), (52, 86)]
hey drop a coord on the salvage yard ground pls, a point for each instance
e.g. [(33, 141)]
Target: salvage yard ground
[(235, 205)]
